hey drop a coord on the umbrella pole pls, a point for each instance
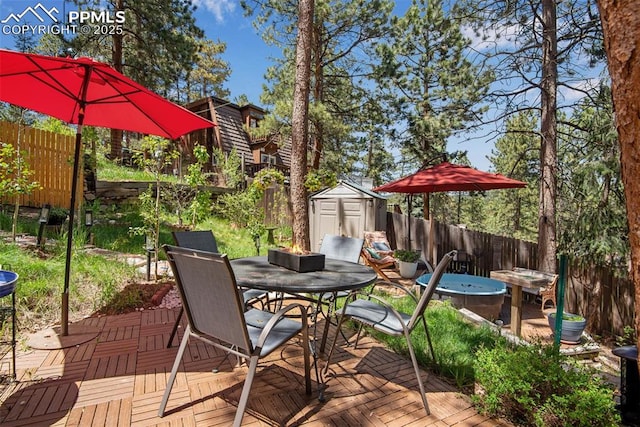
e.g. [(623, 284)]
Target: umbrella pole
[(74, 185), (67, 267), (409, 206)]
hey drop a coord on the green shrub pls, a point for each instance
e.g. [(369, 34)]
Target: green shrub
[(535, 385), (406, 255)]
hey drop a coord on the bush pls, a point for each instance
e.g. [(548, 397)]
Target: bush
[(406, 255), (535, 385)]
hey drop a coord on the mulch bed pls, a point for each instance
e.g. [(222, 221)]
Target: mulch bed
[(136, 296)]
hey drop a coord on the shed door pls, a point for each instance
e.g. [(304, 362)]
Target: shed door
[(337, 216), (352, 217)]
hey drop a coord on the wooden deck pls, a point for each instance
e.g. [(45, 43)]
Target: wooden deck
[(118, 379)]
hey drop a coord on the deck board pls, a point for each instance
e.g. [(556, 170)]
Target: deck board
[(120, 377)]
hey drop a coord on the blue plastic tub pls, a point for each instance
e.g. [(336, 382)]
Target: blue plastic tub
[(482, 295)]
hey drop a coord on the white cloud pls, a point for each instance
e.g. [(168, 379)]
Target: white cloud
[(217, 7), (498, 38), (577, 90)]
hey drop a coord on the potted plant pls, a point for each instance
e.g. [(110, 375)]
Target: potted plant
[(572, 327), (407, 262)]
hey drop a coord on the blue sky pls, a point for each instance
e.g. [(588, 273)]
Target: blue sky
[(248, 56)]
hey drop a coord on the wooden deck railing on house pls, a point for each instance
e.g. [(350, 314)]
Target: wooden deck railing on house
[(252, 170)]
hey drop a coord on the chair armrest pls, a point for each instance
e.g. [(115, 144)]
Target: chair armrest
[(279, 315), (388, 306)]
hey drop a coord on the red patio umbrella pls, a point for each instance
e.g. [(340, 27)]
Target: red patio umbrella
[(85, 92), (449, 177), (445, 177)]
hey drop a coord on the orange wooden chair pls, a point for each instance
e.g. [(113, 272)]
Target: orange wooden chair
[(377, 252), (548, 293)]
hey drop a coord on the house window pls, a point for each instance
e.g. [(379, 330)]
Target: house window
[(253, 122), (267, 158)]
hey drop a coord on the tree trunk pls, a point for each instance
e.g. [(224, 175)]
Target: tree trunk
[(300, 127), (116, 59), (318, 134), (621, 28), (548, 153)]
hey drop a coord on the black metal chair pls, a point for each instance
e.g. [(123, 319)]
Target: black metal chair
[(217, 316), (373, 311)]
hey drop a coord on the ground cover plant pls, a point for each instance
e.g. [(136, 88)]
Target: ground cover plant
[(537, 386), (94, 282)]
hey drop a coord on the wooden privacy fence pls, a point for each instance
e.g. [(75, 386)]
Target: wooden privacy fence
[(50, 156), (607, 301)]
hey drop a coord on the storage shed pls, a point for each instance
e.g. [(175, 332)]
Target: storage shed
[(347, 210)]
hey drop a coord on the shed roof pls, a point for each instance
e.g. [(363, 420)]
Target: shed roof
[(346, 189)]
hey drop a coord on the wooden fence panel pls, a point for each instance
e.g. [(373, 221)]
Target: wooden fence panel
[(50, 156), (605, 299)]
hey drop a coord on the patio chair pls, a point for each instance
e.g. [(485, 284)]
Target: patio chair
[(205, 240), (378, 241), (373, 311), (202, 240), (217, 316), (341, 248), (344, 249), (377, 252), (377, 262)]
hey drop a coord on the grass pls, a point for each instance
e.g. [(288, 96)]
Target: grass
[(454, 339), (97, 284), (110, 171), (94, 280)]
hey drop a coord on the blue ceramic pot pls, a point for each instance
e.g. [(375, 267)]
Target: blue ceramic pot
[(572, 327)]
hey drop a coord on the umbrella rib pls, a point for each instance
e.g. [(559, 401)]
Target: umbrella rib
[(54, 84), (135, 90)]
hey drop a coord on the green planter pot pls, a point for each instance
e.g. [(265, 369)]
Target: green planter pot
[(572, 327)]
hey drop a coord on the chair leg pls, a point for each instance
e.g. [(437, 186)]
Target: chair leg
[(333, 345), (414, 361), (307, 361), (426, 331), (355, 344), (174, 371), (379, 271), (175, 327), (244, 396), (331, 313)]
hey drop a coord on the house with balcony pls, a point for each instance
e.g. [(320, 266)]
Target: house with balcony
[(234, 130)]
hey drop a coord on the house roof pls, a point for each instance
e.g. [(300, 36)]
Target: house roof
[(229, 118)]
